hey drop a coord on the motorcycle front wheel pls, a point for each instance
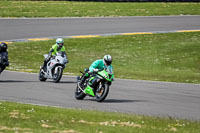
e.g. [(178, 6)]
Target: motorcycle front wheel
[(41, 76), (102, 92), (57, 76)]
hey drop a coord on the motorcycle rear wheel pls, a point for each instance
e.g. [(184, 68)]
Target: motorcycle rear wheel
[(102, 92)]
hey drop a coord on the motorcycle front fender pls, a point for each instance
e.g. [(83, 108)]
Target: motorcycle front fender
[(56, 68)]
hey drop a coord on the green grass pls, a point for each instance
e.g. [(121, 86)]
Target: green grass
[(93, 9), (15, 117), (173, 57)]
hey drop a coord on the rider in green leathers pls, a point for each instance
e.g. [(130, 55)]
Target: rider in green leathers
[(95, 67), (59, 46)]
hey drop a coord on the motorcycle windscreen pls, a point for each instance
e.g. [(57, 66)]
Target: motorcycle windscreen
[(60, 53), (109, 70)]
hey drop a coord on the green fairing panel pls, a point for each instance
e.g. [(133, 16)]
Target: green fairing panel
[(88, 90)]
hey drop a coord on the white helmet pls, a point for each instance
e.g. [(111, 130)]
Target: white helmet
[(60, 42), (107, 59)]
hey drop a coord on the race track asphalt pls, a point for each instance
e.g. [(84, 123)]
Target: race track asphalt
[(129, 96), (13, 29), (162, 99)]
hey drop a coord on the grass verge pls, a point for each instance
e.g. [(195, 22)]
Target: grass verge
[(173, 57), (23, 118), (93, 9)]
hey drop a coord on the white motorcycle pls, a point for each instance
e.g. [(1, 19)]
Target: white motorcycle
[(54, 68)]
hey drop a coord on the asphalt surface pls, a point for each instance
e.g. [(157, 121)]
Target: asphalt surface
[(33, 28), (162, 99), (129, 96)]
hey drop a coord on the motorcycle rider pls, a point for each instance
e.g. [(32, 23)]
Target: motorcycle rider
[(3, 56), (59, 46), (97, 65)]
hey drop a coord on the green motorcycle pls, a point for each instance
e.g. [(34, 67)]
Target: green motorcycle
[(102, 78)]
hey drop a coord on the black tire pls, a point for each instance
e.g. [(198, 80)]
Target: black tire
[(79, 94), (3, 67), (102, 93), (58, 75), (41, 76)]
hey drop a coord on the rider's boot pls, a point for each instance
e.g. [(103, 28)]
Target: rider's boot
[(42, 67), (44, 64), (81, 82), (90, 88), (83, 79)]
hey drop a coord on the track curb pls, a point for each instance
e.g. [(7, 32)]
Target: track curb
[(96, 35)]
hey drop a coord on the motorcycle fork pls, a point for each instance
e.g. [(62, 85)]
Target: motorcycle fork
[(56, 70), (99, 90), (85, 82), (80, 88), (95, 84)]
